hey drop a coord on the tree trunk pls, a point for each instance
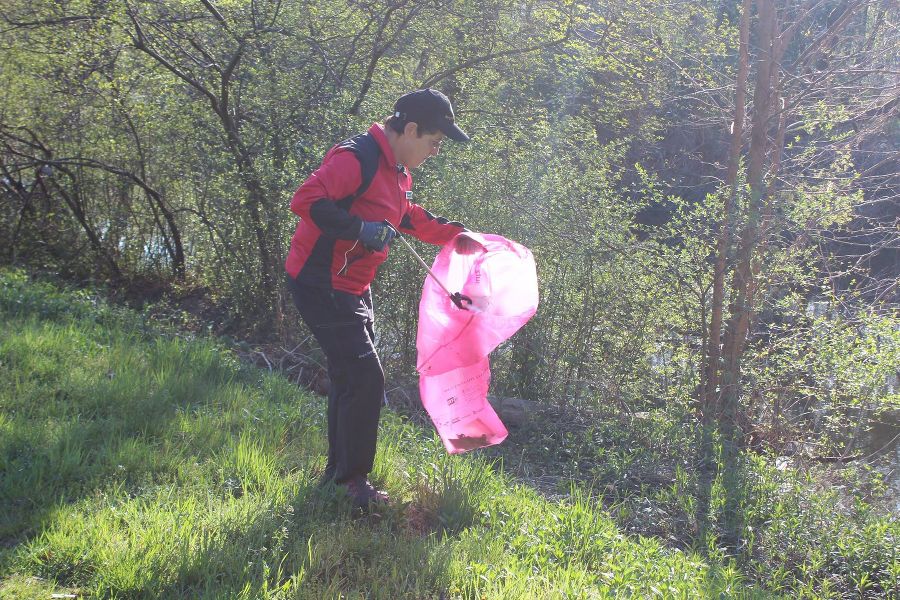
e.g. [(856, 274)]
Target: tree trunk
[(710, 393), (742, 284)]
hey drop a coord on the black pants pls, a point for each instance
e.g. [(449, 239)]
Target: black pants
[(344, 326)]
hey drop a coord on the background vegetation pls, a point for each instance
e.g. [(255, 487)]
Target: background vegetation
[(709, 188)]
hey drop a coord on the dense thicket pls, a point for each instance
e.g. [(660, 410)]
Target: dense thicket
[(691, 200)]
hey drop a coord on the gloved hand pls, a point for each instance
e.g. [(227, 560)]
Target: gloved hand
[(375, 236), (463, 244)]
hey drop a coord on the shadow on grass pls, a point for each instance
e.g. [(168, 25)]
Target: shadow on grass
[(721, 480), (104, 426), (38, 474), (312, 545), (50, 464)]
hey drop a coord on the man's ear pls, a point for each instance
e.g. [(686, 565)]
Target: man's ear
[(411, 129)]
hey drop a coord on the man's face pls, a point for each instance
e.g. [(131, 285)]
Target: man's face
[(422, 147)]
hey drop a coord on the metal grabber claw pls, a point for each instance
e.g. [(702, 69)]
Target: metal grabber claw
[(457, 298)]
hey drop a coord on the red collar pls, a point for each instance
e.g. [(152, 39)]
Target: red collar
[(377, 131)]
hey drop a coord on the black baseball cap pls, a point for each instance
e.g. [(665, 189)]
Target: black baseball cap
[(429, 109)]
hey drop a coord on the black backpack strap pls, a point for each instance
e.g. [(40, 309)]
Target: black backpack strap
[(333, 217), (368, 153)]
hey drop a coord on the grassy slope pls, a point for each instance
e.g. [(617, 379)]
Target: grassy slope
[(138, 465)]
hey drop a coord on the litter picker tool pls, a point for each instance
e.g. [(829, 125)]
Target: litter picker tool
[(457, 298)]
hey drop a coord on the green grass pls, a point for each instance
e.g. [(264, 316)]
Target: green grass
[(137, 464), (812, 531)]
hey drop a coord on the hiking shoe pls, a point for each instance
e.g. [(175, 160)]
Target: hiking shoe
[(363, 494)]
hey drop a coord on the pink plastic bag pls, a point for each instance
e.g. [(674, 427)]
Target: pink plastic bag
[(453, 344)]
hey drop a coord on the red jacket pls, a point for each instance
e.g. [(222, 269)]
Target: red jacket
[(325, 251)]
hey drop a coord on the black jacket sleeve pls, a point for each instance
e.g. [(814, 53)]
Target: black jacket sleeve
[(334, 220)]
